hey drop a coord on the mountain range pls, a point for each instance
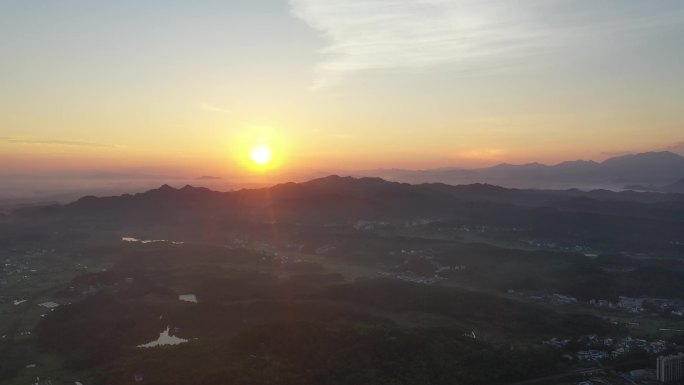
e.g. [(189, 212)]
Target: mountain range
[(659, 170), (344, 200)]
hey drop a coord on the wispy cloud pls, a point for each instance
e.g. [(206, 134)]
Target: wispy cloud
[(464, 34), (49, 142), (213, 108)]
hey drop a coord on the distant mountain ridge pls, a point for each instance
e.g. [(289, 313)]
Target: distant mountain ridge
[(642, 220), (649, 168), (373, 192), (335, 198)]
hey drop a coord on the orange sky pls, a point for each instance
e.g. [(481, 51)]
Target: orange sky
[(330, 86)]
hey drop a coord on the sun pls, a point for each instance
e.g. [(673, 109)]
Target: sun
[(261, 155), (260, 152)]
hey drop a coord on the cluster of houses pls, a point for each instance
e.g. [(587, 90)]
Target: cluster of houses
[(597, 348), (369, 225), (550, 245), (632, 305), (628, 304), (411, 277), (638, 305), (430, 271), (18, 265), (555, 298), (560, 299), (269, 252), (474, 228), (365, 225), (11, 267)]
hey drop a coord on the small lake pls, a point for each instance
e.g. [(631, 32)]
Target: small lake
[(133, 239), (164, 339), (188, 298)]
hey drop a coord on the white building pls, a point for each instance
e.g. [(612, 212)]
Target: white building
[(670, 369)]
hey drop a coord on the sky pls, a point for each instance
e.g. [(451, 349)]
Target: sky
[(189, 87)]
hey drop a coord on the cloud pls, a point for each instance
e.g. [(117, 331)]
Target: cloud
[(462, 34), (483, 154), (55, 142), (213, 108)]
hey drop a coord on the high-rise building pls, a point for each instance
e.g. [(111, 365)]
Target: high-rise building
[(670, 369)]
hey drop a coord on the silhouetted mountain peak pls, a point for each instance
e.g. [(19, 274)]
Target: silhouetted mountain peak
[(165, 188), (650, 157), (336, 180), (650, 168), (192, 190), (330, 178)]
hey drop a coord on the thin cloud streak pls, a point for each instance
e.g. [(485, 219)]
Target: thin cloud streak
[(56, 143), (464, 34), (213, 108)]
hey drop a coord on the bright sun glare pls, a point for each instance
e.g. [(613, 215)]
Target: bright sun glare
[(261, 155)]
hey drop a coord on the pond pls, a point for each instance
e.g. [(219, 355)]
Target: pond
[(133, 239), (188, 298), (164, 339)]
